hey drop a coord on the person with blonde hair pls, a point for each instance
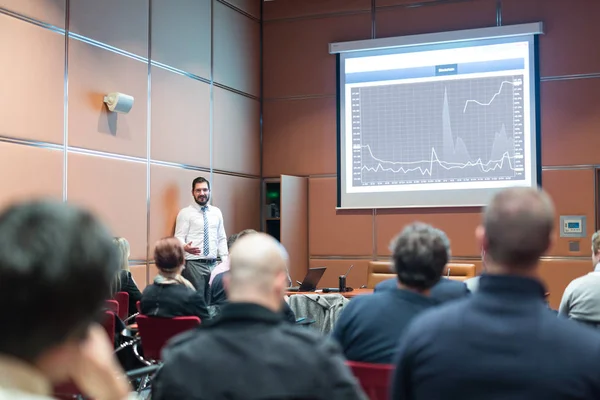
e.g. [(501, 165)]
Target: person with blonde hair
[(172, 295), (123, 281)]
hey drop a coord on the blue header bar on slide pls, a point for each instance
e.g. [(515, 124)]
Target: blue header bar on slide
[(436, 70)]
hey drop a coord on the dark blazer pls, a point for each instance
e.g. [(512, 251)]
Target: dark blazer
[(127, 284), (173, 300), (218, 298), (445, 290), (369, 327), (250, 353), (500, 343)]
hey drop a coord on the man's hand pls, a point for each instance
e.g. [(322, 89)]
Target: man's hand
[(192, 250), (96, 372)]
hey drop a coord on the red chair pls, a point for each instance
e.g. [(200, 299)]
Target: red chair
[(112, 305), (123, 299), (155, 333), (109, 324), (374, 378)]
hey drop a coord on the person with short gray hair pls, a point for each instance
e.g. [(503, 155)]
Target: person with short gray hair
[(369, 326)]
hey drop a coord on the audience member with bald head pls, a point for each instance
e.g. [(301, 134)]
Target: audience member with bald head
[(267, 357), (171, 295), (502, 342)]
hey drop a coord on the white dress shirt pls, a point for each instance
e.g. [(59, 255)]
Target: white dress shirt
[(190, 228)]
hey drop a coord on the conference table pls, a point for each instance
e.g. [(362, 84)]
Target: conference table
[(348, 295)]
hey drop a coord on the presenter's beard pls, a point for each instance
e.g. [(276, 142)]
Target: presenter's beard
[(202, 200)]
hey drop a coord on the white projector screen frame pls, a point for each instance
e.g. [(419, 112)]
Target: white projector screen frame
[(503, 44)]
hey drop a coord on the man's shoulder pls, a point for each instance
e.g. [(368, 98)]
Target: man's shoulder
[(387, 284)]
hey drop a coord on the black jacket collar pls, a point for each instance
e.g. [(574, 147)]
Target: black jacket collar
[(510, 285), (246, 312)]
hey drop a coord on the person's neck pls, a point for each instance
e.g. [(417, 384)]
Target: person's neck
[(531, 271), (256, 298), (425, 292)]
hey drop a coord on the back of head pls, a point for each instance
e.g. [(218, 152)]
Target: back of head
[(233, 238), (517, 227), (56, 266), (168, 254), (420, 252), (257, 263), (596, 242), (124, 252)]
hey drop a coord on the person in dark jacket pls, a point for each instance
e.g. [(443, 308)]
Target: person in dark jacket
[(369, 327), (123, 279), (443, 291), (249, 352), (502, 342), (171, 295)]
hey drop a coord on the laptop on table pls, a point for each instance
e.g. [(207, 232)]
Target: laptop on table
[(310, 282)]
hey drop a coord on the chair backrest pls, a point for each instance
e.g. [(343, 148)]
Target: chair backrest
[(109, 324), (112, 305), (155, 332), (379, 271), (123, 299), (138, 306), (374, 378)]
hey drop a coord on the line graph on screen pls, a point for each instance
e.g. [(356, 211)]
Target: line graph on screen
[(405, 133)]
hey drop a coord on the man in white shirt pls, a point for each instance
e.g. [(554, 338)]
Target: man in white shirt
[(200, 228), (581, 299)]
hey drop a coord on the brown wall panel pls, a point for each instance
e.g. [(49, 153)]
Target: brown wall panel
[(570, 122), (139, 275), (251, 7), (29, 172), (299, 137), (122, 24), (294, 8), (386, 3), (239, 201), (435, 18), (49, 11), (296, 59), (573, 194), (93, 73), (557, 274), (335, 268), (458, 224), (236, 137), (170, 191), (32, 82), (116, 191), (331, 232), (236, 63), (181, 35), (180, 119), (571, 31)]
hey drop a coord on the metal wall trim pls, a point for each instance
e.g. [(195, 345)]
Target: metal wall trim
[(32, 143), (261, 211), (241, 93), (65, 193), (373, 19), (237, 174), (498, 12), (594, 75), (329, 257), (148, 139), (108, 47), (302, 97), (244, 13), (36, 22), (211, 94), (181, 166), (180, 71)]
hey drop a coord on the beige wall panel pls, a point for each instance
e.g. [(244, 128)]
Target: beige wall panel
[(239, 201), (296, 59), (118, 23), (139, 275), (48, 11), (236, 137), (294, 8), (336, 232), (93, 73), (181, 35), (335, 268), (237, 50), (299, 137), (170, 191), (31, 82), (180, 119), (251, 7), (116, 191), (29, 172)]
